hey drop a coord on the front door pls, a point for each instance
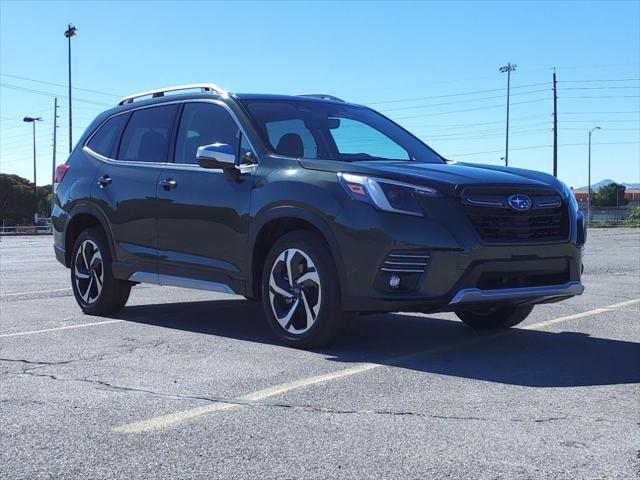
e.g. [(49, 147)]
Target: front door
[(203, 215)]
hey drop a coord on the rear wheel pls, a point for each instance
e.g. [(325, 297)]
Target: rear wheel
[(494, 318), (96, 290), (300, 291)]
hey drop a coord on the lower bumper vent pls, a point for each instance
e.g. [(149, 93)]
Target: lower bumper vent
[(401, 270), (406, 262)]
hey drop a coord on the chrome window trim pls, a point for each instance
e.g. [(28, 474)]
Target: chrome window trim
[(169, 164), (87, 149)]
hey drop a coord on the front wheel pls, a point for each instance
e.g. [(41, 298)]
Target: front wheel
[(494, 318), (301, 292)]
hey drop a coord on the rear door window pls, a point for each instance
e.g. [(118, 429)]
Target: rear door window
[(106, 137), (146, 137)]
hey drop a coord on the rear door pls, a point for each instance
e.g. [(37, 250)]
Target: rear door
[(203, 216), (127, 184)]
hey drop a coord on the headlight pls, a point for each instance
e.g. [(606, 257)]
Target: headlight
[(569, 196), (387, 195)]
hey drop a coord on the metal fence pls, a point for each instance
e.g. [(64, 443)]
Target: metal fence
[(42, 228), (611, 216)]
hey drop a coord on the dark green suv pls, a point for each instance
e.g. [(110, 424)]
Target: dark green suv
[(318, 207)]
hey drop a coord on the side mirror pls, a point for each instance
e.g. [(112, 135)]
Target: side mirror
[(216, 155)]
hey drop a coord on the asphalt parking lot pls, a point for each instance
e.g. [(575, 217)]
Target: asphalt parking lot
[(189, 384)]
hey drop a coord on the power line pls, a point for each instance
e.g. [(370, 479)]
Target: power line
[(489, 130), (11, 128), (602, 96), (602, 88), (60, 85), (460, 101), (4, 137), (457, 125), (524, 133), (606, 129), (50, 94), (595, 81), (471, 109), (496, 151), (600, 113), (543, 146), (455, 94), (601, 121)]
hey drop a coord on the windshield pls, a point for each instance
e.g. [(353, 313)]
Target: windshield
[(330, 131)]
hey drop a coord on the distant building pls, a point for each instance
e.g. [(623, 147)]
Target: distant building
[(631, 194)]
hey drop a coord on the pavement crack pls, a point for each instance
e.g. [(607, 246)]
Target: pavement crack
[(110, 386), (401, 413), (306, 408), (33, 362)]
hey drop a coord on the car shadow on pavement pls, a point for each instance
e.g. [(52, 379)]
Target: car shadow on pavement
[(531, 358)]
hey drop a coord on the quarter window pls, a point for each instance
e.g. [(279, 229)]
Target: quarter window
[(146, 138), (105, 138), (204, 124)]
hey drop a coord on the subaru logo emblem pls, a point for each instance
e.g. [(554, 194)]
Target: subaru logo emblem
[(520, 202)]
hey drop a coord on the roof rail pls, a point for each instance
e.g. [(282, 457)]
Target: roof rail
[(159, 92), (324, 96)]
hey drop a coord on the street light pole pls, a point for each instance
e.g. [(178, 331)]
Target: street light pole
[(33, 121), (507, 68), (70, 32), (589, 179)]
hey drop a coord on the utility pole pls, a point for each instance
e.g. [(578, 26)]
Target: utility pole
[(70, 32), (507, 68), (55, 128), (555, 125), (33, 121), (589, 179)]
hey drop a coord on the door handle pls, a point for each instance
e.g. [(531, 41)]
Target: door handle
[(104, 180), (168, 183)]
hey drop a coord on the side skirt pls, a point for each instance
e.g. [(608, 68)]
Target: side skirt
[(172, 281)]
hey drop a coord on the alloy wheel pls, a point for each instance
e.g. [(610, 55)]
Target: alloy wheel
[(88, 271), (295, 293)]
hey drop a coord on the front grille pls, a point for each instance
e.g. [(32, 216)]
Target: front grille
[(496, 222)]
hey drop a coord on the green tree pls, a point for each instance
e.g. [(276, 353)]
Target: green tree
[(611, 195), (16, 200)]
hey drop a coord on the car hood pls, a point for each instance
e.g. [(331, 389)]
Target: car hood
[(448, 178)]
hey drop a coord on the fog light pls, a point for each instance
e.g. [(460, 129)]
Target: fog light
[(394, 281)]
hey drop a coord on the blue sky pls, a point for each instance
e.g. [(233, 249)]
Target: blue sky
[(431, 66)]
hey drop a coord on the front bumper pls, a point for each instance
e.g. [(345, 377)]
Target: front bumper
[(462, 271)]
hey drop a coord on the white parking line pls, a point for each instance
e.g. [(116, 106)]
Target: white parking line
[(67, 327), (34, 291), (166, 421)]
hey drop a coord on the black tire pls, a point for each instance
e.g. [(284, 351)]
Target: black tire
[(495, 318), (113, 295), (318, 306)]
